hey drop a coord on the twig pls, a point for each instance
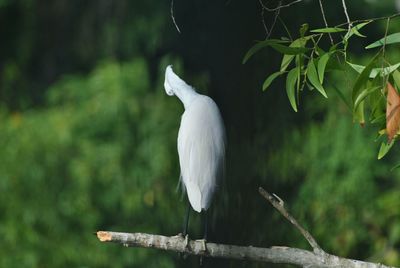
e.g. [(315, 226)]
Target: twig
[(384, 42), (269, 31), (325, 21), (384, 78), (262, 18), (274, 22), (279, 5), (371, 19), (173, 17), (347, 15), (280, 206), (286, 255)]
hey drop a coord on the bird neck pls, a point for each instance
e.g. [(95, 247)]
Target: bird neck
[(186, 94)]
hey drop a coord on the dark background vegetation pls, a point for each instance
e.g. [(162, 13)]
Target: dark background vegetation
[(88, 135)]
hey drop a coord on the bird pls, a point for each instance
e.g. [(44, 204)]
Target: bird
[(201, 145)]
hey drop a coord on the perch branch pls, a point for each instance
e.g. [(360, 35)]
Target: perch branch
[(178, 243)]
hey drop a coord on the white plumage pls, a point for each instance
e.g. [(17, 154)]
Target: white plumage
[(201, 142)]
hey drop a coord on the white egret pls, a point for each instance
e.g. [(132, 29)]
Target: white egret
[(201, 144)]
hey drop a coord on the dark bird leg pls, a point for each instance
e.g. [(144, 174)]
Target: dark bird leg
[(205, 224), (205, 235), (185, 229), (186, 222)]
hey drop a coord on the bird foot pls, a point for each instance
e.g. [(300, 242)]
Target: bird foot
[(203, 244), (203, 249), (186, 241), (182, 254)]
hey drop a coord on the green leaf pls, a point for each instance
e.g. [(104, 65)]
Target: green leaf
[(299, 43), (375, 71), (384, 149), (358, 114), (395, 167), (356, 67), (323, 60), (290, 87), (365, 93), (390, 39), (270, 79), (378, 111), (259, 45), (396, 78), (328, 30), (363, 77), (342, 97), (303, 29), (333, 48), (287, 50), (378, 120), (313, 77), (354, 30), (319, 51)]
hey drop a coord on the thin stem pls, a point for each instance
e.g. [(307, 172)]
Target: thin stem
[(263, 19), (372, 19), (279, 5), (263, 8), (347, 15), (325, 21), (274, 22), (384, 78), (173, 17), (286, 28)]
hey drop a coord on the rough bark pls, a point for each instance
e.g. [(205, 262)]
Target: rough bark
[(284, 255)]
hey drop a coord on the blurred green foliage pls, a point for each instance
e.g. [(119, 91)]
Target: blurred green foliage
[(344, 195), (88, 136), (97, 157)]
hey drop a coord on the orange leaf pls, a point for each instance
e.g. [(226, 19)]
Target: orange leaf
[(392, 112)]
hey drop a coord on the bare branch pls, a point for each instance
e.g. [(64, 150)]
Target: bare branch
[(300, 257), (385, 78), (371, 19), (279, 5), (262, 17), (276, 14), (325, 21), (278, 203), (347, 14), (173, 17)]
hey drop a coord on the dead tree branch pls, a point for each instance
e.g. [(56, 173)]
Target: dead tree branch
[(284, 255), (300, 257), (280, 206)]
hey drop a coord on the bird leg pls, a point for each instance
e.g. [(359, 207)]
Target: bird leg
[(185, 231), (204, 240), (205, 226), (186, 241), (186, 222)]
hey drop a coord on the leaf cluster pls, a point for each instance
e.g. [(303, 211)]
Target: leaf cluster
[(306, 64)]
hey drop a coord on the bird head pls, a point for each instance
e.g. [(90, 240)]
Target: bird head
[(169, 77)]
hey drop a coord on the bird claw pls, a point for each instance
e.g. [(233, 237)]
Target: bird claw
[(203, 244), (203, 249), (186, 243), (182, 254)]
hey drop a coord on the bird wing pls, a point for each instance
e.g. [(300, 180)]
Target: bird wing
[(201, 148)]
